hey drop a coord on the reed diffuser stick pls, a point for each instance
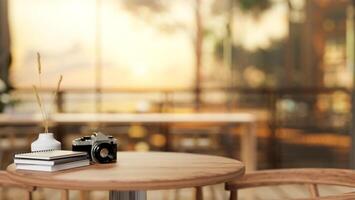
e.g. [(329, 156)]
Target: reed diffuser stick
[(58, 87), (38, 97), (39, 63), (39, 101), (39, 69), (43, 107)]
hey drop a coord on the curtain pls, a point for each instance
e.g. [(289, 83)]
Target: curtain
[(5, 56)]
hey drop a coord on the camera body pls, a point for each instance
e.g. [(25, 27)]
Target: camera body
[(100, 148)]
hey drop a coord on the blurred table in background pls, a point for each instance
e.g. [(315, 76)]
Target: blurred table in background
[(248, 120)]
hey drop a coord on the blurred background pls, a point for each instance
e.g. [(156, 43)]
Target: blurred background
[(290, 63)]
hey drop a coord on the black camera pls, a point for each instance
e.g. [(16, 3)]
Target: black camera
[(100, 148)]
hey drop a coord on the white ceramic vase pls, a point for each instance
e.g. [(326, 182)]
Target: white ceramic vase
[(45, 142)]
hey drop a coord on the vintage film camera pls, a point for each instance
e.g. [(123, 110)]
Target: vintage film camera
[(100, 148)]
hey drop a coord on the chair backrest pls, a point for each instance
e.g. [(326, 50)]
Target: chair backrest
[(313, 177), (5, 181), (349, 196)]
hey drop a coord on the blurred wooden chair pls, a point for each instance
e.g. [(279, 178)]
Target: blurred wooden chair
[(309, 177), (5, 181), (350, 196)]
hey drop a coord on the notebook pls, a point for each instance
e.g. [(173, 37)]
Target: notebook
[(50, 155), (49, 162), (48, 168)]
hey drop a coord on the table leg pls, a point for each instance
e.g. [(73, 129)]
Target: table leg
[(64, 195), (249, 151), (84, 195), (128, 195), (199, 193), (249, 147)]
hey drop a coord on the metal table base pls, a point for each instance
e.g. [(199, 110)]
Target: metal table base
[(128, 195)]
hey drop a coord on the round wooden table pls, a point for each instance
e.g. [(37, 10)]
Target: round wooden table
[(136, 172)]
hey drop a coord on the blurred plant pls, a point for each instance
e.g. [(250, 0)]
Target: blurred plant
[(2, 86), (151, 12), (152, 5), (7, 100), (5, 97), (254, 5)]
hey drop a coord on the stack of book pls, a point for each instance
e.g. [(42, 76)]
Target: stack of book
[(50, 161)]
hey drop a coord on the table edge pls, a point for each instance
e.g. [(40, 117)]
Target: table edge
[(124, 186)]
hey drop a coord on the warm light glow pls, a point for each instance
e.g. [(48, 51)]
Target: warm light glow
[(135, 53), (141, 48), (61, 31)]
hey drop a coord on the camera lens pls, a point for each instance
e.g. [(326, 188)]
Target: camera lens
[(103, 153)]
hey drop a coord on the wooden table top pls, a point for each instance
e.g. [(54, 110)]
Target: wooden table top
[(138, 171), (68, 118), (153, 117)]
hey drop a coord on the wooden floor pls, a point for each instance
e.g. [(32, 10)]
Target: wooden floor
[(210, 193)]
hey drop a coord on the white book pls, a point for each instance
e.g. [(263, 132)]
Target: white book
[(48, 168), (50, 155), (48, 162)]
